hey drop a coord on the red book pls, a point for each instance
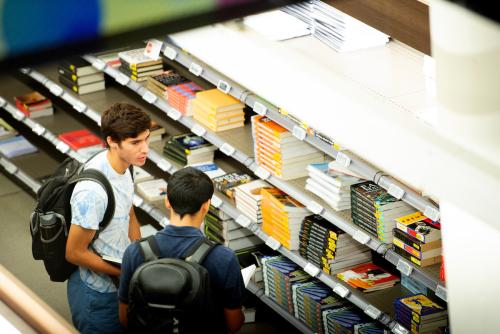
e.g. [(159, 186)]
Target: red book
[(80, 138)]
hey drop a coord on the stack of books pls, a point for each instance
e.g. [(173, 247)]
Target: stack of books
[(282, 217), (419, 314), (156, 132), (158, 84), (248, 198), (81, 77), (227, 183), (6, 130), (331, 186), (138, 66), (418, 239), (34, 105), (328, 247), (342, 32), (218, 111), (374, 210), (180, 96), (210, 168), (221, 228), (82, 141), (278, 151), (368, 277), (152, 191), (343, 319), (280, 275), (16, 146), (189, 149)]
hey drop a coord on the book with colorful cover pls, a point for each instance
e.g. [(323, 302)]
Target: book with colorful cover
[(32, 101), (78, 139), (227, 183), (420, 227), (368, 277)]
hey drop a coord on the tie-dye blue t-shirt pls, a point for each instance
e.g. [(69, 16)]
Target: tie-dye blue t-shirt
[(88, 204)]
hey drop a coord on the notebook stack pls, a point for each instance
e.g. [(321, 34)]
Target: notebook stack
[(419, 314), (218, 111), (153, 191), (138, 66), (180, 96), (34, 105), (418, 239), (188, 149), (342, 32), (368, 277), (6, 130), (330, 185), (278, 151), (16, 146), (83, 142), (223, 229), (81, 77), (248, 198), (282, 217), (342, 320), (227, 183), (328, 247), (280, 275), (158, 84), (374, 210)]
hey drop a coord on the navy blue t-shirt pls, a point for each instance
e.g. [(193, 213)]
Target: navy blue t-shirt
[(174, 242)]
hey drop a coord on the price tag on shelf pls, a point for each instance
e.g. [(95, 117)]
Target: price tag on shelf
[(63, 147), (273, 243), (164, 222), (259, 108), (398, 329), (227, 149), (341, 290), (170, 53), (55, 89), (262, 173), (216, 201), (343, 159), (396, 191), (373, 312), (79, 106), (223, 86), (19, 115), (311, 269), (361, 237), (38, 129), (25, 70), (196, 69), (99, 64), (137, 201), (441, 292), (164, 165), (149, 97), (243, 220), (315, 208), (299, 132), (198, 130), (2, 102), (9, 167), (404, 267), (153, 49), (122, 79), (174, 114), (431, 213)]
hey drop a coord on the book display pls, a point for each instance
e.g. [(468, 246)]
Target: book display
[(137, 66), (79, 76), (34, 105)]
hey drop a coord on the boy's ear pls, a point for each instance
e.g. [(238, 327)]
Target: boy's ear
[(167, 203), (111, 142), (206, 206)]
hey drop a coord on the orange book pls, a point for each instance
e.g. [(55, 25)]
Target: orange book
[(218, 101)]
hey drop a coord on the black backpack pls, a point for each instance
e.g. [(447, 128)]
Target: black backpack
[(51, 219), (169, 295)]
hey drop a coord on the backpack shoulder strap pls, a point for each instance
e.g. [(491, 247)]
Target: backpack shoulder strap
[(149, 248), (200, 250)]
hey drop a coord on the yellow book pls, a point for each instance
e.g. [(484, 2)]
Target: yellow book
[(217, 100)]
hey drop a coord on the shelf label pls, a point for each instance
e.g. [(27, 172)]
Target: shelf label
[(341, 290), (262, 173), (170, 53), (149, 97), (431, 213), (243, 220), (137, 201), (441, 292), (398, 329), (223, 86), (259, 108), (299, 132), (63, 147), (55, 89), (2, 102), (174, 114), (25, 70), (396, 191), (38, 129), (164, 165), (9, 166), (373, 312), (122, 79), (273, 243), (196, 69), (79, 106), (198, 130), (315, 208), (153, 49), (343, 159), (361, 237), (99, 64), (404, 267), (164, 221), (311, 269), (19, 115), (216, 201), (227, 149)]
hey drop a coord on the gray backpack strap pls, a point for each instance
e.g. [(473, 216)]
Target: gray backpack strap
[(149, 248), (200, 250)]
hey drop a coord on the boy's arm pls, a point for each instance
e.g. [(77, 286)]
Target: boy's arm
[(122, 312), (234, 319), (134, 231)]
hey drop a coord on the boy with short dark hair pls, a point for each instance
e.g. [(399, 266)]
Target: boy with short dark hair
[(188, 197)]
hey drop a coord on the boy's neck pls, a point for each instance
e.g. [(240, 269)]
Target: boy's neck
[(116, 163), (188, 220)]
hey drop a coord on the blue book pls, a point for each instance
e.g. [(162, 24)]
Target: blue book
[(16, 146)]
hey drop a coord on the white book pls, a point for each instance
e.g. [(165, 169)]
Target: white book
[(16, 146), (153, 190), (253, 188), (343, 197), (141, 175), (136, 56), (209, 168)]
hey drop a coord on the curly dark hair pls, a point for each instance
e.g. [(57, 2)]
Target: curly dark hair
[(122, 121)]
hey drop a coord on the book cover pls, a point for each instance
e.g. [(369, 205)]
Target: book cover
[(80, 138), (78, 66), (80, 80), (218, 101), (16, 146), (368, 277), (136, 58), (419, 226), (227, 182)]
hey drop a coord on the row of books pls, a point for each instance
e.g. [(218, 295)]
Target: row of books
[(80, 76)]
